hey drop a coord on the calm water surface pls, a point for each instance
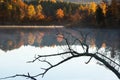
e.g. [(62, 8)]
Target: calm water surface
[(17, 46), (14, 38)]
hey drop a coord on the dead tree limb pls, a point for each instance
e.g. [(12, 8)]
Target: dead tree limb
[(80, 55), (74, 54), (28, 76)]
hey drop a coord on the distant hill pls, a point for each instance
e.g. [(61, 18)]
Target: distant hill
[(84, 1)]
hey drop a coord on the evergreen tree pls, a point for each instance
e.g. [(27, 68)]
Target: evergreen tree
[(109, 15), (99, 15), (114, 8)]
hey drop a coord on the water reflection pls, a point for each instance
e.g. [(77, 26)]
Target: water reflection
[(14, 38), (10, 39), (14, 62)]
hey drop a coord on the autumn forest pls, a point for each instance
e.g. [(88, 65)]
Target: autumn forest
[(53, 12), (39, 35)]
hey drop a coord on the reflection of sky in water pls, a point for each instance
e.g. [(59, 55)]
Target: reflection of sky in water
[(14, 61)]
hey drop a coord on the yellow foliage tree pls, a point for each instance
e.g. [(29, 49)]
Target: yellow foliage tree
[(53, 1), (39, 1), (60, 13), (31, 11), (104, 7), (39, 9), (61, 1), (93, 7), (81, 7), (39, 14), (9, 6), (1, 1)]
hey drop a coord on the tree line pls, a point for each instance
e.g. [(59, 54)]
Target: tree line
[(41, 12)]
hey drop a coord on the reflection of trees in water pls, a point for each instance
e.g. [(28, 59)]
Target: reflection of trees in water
[(30, 38), (15, 38), (60, 37), (11, 39), (106, 55), (104, 45), (106, 41)]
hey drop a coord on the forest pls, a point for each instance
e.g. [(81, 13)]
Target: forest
[(83, 36), (53, 12)]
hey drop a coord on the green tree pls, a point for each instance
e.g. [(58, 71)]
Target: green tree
[(70, 10), (109, 15)]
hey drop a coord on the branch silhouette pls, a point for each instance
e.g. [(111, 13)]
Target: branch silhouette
[(28, 76), (73, 54)]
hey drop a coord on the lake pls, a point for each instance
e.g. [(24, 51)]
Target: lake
[(17, 46)]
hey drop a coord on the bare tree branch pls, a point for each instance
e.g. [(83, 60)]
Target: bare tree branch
[(109, 59), (88, 60), (80, 55), (73, 54), (69, 47), (52, 66), (51, 55), (46, 62), (71, 57), (20, 75)]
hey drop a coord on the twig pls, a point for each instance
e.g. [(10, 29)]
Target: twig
[(20, 75), (51, 55), (88, 60), (47, 69)]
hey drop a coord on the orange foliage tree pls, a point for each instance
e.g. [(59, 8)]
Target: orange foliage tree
[(53, 1), (75, 17), (22, 8), (60, 13), (31, 38)]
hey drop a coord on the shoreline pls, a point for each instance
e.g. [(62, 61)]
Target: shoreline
[(82, 26), (27, 26)]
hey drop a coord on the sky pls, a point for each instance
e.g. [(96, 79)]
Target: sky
[(14, 61)]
